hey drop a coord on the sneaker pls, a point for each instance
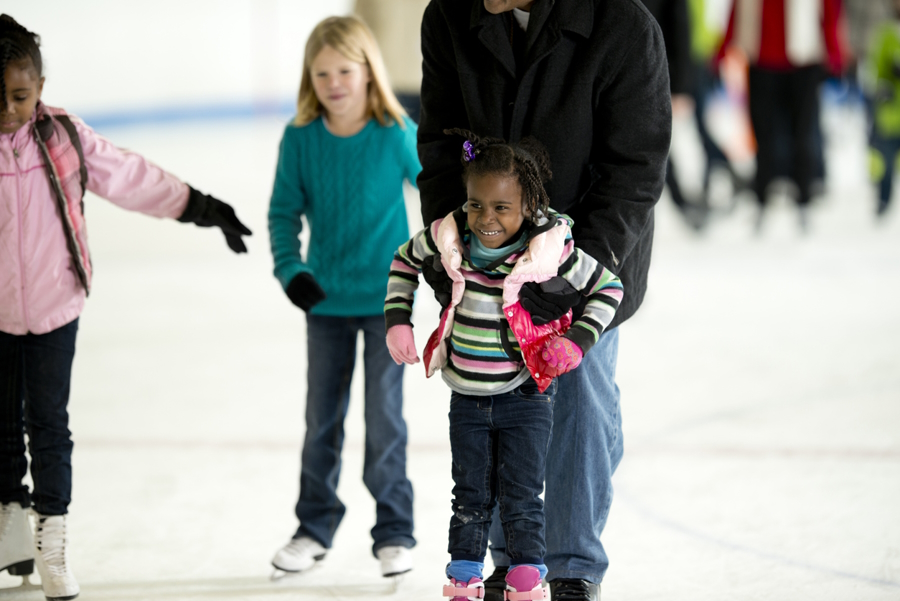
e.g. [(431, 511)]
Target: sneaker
[(523, 583), (473, 590), (50, 545), (298, 555), (574, 589), (395, 560), (16, 543), (496, 584)]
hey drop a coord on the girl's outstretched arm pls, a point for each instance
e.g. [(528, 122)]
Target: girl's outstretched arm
[(132, 182)]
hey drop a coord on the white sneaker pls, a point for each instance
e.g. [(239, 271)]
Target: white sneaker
[(395, 560), (16, 544), (50, 542), (298, 555)]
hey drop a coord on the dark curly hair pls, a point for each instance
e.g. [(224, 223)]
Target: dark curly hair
[(17, 43), (526, 160)]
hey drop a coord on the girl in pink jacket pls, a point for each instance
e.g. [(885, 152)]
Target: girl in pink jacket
[(48, 159)]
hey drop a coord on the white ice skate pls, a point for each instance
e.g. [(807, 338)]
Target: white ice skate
[(50, 544), (298, 555), (16, 544), (395, 560)]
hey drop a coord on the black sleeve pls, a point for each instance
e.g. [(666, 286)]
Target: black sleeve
[(632, 131), (440, 181)]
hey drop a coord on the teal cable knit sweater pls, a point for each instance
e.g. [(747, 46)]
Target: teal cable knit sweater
[(351, 191)]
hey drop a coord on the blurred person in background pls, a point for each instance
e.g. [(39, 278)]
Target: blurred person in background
[(672, 16), (48, 160), (395, 25), (706, 37), (589, 79), (342, 163), (791, 45), (884, 62)]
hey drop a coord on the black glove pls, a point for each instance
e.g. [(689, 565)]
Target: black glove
[(548, 301), (436, 276), (207, 211), (304, 291)]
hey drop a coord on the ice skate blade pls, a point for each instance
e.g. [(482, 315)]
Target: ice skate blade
[(279, 575), (396, 580), (22, 568)]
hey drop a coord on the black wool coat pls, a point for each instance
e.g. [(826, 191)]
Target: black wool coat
[(594, 90)]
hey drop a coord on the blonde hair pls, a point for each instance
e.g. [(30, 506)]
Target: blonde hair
[(353, 39)]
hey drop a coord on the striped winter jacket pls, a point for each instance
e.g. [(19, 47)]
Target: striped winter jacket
[(480, 340)]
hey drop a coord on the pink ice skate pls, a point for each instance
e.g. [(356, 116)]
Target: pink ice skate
[(523, 583), (464, 591)]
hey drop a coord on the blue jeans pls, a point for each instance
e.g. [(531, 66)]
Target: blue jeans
[(499, 445), (331, 345), (585, 450), (35, 373)]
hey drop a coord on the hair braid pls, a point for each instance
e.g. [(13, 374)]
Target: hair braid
[(16, 43), (526, 160)]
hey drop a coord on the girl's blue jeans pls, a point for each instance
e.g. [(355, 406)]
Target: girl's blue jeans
[(499, 447), (332, 355), (35, 372)]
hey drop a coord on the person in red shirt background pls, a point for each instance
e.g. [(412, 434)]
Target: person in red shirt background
[(790, 45)]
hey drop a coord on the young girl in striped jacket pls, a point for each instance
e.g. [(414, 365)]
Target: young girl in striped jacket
[(499, 365)]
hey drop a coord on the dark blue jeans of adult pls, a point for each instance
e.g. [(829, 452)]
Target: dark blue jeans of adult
[(585, 450), (499, 446), (35, 373), (331, 346)]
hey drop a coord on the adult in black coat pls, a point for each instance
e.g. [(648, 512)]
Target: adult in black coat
[(589, 79)]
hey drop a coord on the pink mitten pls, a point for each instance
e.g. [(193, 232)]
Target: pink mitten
[(561, 356), (402, 345)]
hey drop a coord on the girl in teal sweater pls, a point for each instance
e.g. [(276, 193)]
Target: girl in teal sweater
[(342, 163)]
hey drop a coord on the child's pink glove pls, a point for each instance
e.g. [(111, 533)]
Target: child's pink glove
[(561, 355), (402, 345)]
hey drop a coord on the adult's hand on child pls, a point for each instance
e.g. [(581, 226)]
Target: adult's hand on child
[(207, 211), (550, 300), (304, 291), (436, 276), (402, 344), (561, 355)]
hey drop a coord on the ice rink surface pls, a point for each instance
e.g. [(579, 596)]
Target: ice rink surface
[(760, 392)]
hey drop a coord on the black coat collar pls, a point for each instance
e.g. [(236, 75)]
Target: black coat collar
[(548, 17)]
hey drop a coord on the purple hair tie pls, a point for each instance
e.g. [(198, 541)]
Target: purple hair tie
[(469, 151)]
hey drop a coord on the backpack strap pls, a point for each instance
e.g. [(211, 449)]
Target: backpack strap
[(76, 142)]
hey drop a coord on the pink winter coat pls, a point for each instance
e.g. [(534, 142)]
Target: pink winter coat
[(40, 289)]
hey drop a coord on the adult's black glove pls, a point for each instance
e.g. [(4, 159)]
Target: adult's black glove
[(436, 276), (206, 211), (304, 291), (549, 300)]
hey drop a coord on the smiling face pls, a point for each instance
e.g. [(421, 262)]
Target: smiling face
[(495, 209), (23, 90), (340, 84)]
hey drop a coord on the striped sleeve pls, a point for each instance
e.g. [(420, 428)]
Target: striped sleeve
[(603, 289), (404, 275)]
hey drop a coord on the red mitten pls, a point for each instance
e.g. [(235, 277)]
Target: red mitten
[(561, 355), (402, 345)]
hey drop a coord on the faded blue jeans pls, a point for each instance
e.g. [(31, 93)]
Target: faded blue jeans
[(35, 374), (584, 452), (331, 343)]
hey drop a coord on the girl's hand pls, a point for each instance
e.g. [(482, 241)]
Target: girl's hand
[(561, 356), (208, 211), (402, 345)]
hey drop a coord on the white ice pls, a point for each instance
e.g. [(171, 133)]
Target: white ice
[(760, 392)]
